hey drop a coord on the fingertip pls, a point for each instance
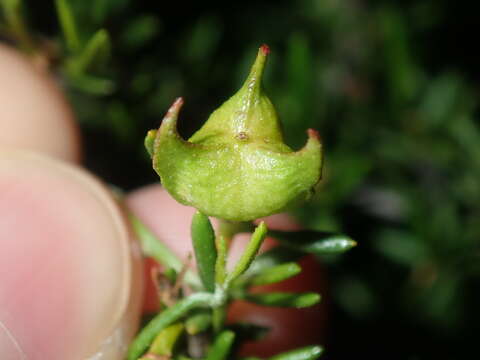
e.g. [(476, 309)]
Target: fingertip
[(69, 277), (34, 113)]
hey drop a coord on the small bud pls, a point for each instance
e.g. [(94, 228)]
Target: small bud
[(236, 167)]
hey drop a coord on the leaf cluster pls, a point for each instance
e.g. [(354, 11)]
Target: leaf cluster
[(200, 311)]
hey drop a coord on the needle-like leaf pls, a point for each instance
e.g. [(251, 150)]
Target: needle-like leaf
[(221, 347), (203, 239), (96, 51), (306, 353), (167, 317), (276, 274), (67, 22), (282, 299), (314, 242), (249, 253), (273, 257), (165, 341)]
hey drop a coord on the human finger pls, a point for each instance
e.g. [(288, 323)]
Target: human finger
[(69, 274), (34, 114)]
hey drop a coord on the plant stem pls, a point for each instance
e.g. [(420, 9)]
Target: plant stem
[(228, 229), (219, 314), (166, 318)]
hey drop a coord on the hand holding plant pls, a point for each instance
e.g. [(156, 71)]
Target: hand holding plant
[(236, 168)]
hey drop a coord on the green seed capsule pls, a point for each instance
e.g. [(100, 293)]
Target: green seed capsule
[(236, 167)]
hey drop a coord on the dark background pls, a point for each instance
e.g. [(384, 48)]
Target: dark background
[(392, 87)]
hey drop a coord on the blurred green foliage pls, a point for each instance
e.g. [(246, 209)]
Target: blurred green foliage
[(391, 88)]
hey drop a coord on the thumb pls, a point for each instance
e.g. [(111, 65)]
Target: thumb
[(67, 269)]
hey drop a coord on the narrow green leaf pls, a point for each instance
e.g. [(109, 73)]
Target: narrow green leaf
[(153, 247), (198, 322), (273, 257), (10, 4), (90, 84), (203, 239), (201, 42), (95, 52), (166, 339), (276, 274), (167, 317), (12, 12), (140, 30), (67, 22), (314, 242), (307, 353), (221, 347), (282, 299), (249, 253), (221, 264), (298, 108), (401, 71), (101, 9)]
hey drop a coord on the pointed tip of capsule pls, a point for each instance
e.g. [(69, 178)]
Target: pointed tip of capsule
[(313, 134), (265, 49), (314, 142), (170, 117), (151, 133), (175, 108), (255, 77)]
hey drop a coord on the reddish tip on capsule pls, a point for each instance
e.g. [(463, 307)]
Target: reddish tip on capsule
[(265, 49), (178, 102), (175, 107), (313, 134)]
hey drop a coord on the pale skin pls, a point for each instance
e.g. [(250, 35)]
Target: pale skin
[(69, 271)]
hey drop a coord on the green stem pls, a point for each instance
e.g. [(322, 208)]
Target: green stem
[(219, 314), (167, 317), (228, 229)]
